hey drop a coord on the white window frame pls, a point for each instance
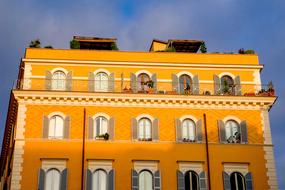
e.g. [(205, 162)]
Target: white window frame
[(146, 128), (232, 135), (65, 72), (101, 117), (55, 136), (101, 82), (188, 136)]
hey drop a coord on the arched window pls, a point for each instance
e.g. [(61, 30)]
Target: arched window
[(101, 126), (145, 180), (52, 181), (191, 181), (101, 82), (58, 80), (56, 127), (232, 129), (185, 83), (237, 181), (143, 78), (188, 130), (99, 180), (144, 129), (227, 84)]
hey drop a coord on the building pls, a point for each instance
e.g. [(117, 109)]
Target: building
[(166, 119)]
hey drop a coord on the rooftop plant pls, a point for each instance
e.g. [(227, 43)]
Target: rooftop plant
[(74, 44), (203, 48)]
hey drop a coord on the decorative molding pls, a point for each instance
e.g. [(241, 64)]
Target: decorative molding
[(101, 71), (106, 165), (188, 117), (194, 166), (27, 76), (59, 69), (226, 74), (56, 113), (101, 114), (143, 71), (144, 116), (53, 163), (146, 165), (236, 167), (231, 117), (185, 73), (19, 148)]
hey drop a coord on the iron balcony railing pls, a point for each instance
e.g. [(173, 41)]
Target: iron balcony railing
[(144, 87)]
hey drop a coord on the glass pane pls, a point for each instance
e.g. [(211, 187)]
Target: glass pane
[(144, 128), (56, 127), (58, 80), (145, 181), (188, 129), (101, 82), (99, 180), (52, 180), (101, 126), (141, 129)]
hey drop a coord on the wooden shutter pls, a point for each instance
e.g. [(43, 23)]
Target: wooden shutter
[(203, 181), (111, 128), (195, 88), (91, 82), (222, 131), (90, 128), (63, 179), (45, 126), (154, 79), (248, 181), (199, 131), (88, 182), (69, 81), (48, 80), (135, 180), (111, 180), (180, 181), (175, 83), (66, 127), (134, 125), (243, 129), (157, 184), (227, 182), (155, 129), (111, 82), (237, 86), (41, 179), (217, 84), (133, 82), (178, 130)]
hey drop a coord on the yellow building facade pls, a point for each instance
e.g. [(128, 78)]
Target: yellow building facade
[(93, 119)]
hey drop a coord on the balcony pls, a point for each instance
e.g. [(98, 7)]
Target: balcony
[(127, 87)]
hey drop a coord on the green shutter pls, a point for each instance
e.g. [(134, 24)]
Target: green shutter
[(66, 127), (217, 85), (222, 131), (111, 128), (69, 81), (155, 130), (45, 126), (227, 182), (135, 180), (134, 125), (243, 129), (178, 130), (154, 79), (180, 181), (195, 86), (157, 182), (111, 82), (133, 82), (175, 83), (91, 82), (203, 181), (90, 128), (48, 80), (41, 179), (248, 181), (63, 179), (237, 86), (111, 180), (199, 131), (88, 181)]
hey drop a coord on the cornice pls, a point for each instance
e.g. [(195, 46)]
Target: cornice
[(142, 100)]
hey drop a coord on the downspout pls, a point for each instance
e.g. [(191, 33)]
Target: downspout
[(207, 151), (83, 150)]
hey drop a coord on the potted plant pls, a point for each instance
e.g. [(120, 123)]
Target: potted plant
[(271, 91), (103, 136), (150, 85), (226, 88)]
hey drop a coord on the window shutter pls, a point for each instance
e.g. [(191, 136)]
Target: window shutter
[(63, 179), (111, 180), (227, 182), (154, 79), (122, 81), (134, 125), (66, 127), (88, 185), (69, 81), (90, 127), (178, 130), (91, 82), (180, 181), (243, 129), (203, 181), (133, 82), (248, 181), (157, 185), (217, 84), (237, 86), (135, 180), (222, 131), (45, 126), (48, 80), (175, 83), (195, 88), (111, 128), (111, 82), (155, 130), (199, 131), (41, 179)]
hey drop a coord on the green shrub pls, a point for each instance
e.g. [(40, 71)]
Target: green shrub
[(249, 51), (74, 44), (203, 48)]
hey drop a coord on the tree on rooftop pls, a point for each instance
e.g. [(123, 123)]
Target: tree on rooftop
[(203, 48), (35, 43)]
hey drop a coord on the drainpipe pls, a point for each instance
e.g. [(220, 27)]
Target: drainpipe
[(83, 150), (207, 152)]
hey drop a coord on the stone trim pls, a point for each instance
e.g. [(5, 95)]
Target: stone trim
[(27, 76), (236, 167), (19, 148), (194, 166), (146, 165), (53, 163), (94, 165)]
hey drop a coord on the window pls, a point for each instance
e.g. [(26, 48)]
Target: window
[(188, 130), (145, 180), (191, 181), (227, 84), (100, 180), (232, 130), (237, 181), (143, 78), (52, 181), (101, 82), (58, 80), (56, 126), (144, 129), (185, 84), (101, 126)]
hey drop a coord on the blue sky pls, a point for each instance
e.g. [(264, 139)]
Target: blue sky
[(225, 25)]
